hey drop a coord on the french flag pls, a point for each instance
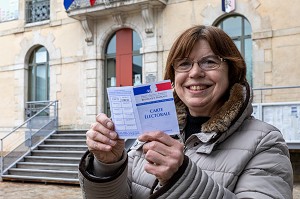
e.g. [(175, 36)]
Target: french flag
[(152, 88), (228, 5), (141, 90), (163, 86), (92, 2), (68, 3)]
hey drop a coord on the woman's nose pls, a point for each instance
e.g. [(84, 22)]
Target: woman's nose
[(196, 71)]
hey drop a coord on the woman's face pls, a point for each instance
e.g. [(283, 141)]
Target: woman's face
[(202, 91)]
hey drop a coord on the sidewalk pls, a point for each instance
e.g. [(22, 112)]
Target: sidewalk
[(13, 190)]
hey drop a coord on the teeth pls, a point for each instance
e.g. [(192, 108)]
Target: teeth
[(197, 88)]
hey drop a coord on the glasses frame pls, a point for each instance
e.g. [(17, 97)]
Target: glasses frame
[(199, 62)]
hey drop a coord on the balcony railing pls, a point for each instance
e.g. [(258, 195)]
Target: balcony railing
[(77, 4), (37, 10), (117, 9)]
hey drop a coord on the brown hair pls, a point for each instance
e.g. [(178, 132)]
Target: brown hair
[(220, 43)]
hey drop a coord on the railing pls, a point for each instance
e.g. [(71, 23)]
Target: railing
[(276, 94), (37, 10), (24, 138), (77, 4)]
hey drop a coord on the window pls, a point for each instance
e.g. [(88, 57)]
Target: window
[(38, 75), (37, 10), (123, 61), (9, 10), (239, 29)]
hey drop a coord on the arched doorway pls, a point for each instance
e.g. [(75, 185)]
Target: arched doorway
[(123, 61)]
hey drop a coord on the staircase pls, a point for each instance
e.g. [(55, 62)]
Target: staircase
[(55, 160)]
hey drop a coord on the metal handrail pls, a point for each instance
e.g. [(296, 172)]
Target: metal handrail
[(260, 97), (26, 121), (55, 119), (275, 87)]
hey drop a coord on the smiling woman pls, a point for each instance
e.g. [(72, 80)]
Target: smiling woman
[(221, 151), (202, 90)]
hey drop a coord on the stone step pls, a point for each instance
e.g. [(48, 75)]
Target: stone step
[(46, 159), (55, 160), (65, 141), (68, 136), (62, 147), (52, 153), (47, 166), (44, 173), (40, 179), (71, 132)]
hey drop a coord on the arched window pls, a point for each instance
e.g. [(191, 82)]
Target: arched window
[(239, 29), (123, 61), (38, 75)]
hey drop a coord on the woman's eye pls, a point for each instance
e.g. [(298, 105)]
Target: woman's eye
[(210, 61), (186, 63)]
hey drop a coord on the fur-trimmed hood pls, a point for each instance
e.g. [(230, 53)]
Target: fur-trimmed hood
[(240, 98)]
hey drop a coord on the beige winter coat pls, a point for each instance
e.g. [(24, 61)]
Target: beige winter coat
[(234, 156)]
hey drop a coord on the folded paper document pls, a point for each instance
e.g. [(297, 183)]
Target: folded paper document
[(143, 108)]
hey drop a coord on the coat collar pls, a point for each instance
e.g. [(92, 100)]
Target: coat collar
[(239, 99)]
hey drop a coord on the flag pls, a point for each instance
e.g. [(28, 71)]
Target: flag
[(92, 2), (163, 86), (68, 3), (141, 90), (228, 5)]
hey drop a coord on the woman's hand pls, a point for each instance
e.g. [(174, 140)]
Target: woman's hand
[(163, 153), (103, 141)]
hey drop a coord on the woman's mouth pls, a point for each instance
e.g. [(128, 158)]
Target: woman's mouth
[(197, 88)]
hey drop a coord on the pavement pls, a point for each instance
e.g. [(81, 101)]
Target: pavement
[(20, 190)]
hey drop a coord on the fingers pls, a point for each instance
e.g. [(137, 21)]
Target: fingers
[(105, 121), (99, 137), (160, 137), (97, 146), (160, 166), (156, 146), (104, 125), (163, 153)]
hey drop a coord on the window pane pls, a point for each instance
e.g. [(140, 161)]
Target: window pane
[(247, 28), (38, 75), (31, 87), (111, 72), (41, 57), (238, 44), (248, 59), (233, 26), (137, 70), (111, 48), (137, 43), (41, 83)]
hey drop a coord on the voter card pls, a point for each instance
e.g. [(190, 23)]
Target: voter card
[(143, 108)]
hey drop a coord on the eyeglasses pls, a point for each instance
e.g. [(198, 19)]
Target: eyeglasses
[(210, 62)]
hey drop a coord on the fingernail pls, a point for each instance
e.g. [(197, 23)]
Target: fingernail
[(112, 142), (109, 125), (112, 135)]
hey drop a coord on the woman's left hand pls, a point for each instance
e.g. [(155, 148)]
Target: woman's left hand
[(163, 153)]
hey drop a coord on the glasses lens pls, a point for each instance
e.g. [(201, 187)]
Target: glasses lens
[(210, 62), (182, 65)]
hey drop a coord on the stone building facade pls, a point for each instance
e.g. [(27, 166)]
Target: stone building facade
[(76, 42)]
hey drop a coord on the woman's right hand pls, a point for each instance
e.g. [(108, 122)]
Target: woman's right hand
[(103, 141)]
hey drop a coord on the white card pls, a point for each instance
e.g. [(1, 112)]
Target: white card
[(143, 108)]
